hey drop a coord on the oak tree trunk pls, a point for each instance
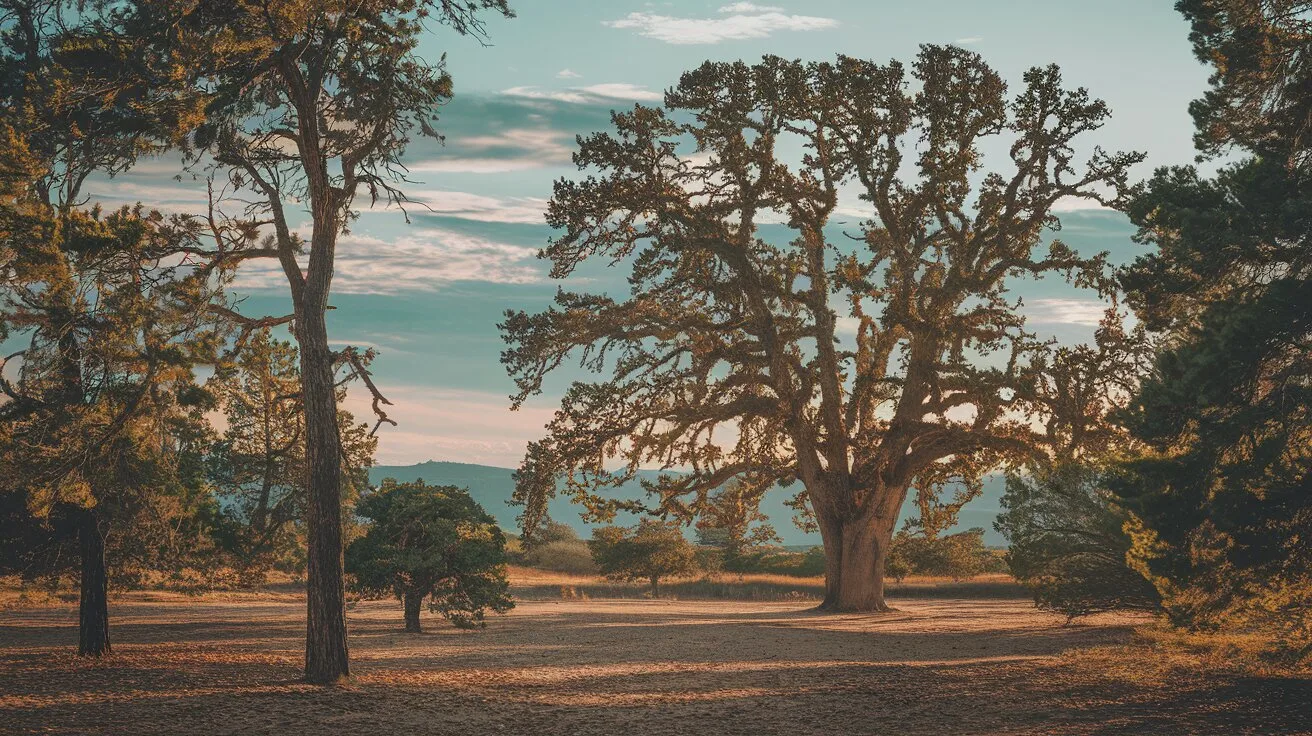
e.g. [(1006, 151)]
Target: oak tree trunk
[(413, 601), (326, 659), (855, 552), (93, 598)]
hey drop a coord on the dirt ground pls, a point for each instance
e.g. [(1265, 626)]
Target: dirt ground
[(635, 667)]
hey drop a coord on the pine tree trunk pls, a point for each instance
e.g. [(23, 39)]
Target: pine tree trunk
[(326, 658), (855, 552), (413, 601), (93, 599), (655, 586)]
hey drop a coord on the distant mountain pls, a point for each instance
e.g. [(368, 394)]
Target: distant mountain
[(492, 488)]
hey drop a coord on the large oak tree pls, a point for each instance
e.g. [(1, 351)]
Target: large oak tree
[(771, 334)]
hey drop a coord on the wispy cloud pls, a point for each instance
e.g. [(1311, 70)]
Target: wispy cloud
[(424, 260), (736, 21), (589, 95), (450, 424), (1079, 204), (567, 74), (516, 149), (968, 40), (466, 206), (1085, 312)]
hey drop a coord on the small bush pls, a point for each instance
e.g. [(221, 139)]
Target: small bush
[(571, 556)]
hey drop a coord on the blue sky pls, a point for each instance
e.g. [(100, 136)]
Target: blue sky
[(428, 294)]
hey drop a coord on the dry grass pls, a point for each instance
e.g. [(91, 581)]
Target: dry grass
[(534, 584), (230, 663)]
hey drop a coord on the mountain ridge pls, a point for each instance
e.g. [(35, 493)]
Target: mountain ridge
[(492, 487)]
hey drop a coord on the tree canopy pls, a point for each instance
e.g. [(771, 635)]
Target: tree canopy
[(775, 334)]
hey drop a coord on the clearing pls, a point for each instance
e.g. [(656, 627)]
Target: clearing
[(229, 663)]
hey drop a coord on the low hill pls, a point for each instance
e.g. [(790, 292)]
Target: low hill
[(492, 488)]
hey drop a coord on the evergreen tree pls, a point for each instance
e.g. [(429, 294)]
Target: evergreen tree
[(258, 467), (307, 104), (1223, 503), (431, 542)]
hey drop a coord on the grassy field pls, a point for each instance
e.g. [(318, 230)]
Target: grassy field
[(230, 663)]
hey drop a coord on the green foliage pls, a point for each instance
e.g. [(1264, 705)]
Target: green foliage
[(431, 541), (258, 467), (1067, 543), (958, 556), (1221, 502), (731, 519), (650, 551), (566, 555)]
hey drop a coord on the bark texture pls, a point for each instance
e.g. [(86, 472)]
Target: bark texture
[(413, 602), (93, 598), (326, 657)]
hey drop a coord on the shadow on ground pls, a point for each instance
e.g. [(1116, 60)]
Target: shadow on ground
[(612, 667)]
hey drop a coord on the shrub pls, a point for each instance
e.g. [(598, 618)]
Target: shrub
[(1068, 544), (435, 542), (569, 556)]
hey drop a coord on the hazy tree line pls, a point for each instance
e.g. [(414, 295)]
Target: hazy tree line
[(859, 359)]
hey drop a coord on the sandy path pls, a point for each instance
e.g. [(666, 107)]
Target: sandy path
[(612, 667)]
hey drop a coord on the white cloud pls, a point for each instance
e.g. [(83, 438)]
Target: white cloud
[(737, 21), (420, 261), (451, 424), (521, 149), (968, 40), (590, 95), (466, 206), (749, 8), (1079, 204), (1084, 312), (567, 74)]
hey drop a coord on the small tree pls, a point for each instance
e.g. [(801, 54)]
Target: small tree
[(958, 556), (259, 466), (650, 551), (431, 541), (732, 520), (1068, 545)]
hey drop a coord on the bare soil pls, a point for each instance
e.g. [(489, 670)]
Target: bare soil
[(230, 664)]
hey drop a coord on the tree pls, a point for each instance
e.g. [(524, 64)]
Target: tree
[(307, 102), (732, 519), (1067, 543), (958, 556), (110, 306), (259, 465), (104, 397), (861, 366), (431, 541), (649, 551), (1222, 501)]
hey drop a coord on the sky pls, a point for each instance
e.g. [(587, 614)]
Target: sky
[(427, 294)]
